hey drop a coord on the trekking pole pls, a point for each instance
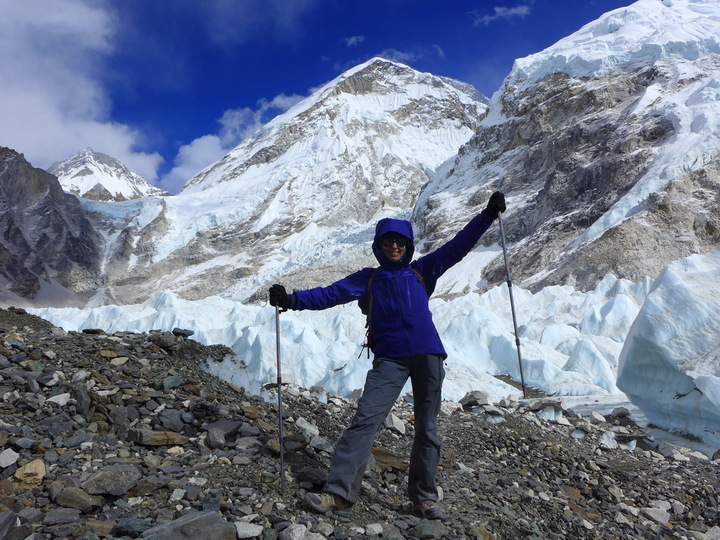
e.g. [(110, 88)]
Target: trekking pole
[(512, 304), (280, 411)]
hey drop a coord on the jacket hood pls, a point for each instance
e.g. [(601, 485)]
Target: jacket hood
[(398, 226)]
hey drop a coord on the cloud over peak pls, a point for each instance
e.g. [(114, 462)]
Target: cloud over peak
[(500, 13)]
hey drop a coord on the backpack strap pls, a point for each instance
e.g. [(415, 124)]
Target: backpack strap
[(420, 277), (369, 344)]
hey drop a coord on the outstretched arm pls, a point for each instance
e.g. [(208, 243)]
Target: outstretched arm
[(341, 292)]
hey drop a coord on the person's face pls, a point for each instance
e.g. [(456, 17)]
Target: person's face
[(394, 247)]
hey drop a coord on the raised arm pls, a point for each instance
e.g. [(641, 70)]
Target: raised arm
[(435, 264)]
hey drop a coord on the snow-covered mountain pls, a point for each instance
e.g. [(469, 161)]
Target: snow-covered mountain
[(100, 177), (300, 197), (607, 145)]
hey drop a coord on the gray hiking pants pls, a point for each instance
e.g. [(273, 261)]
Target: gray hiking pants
[(383, 385)]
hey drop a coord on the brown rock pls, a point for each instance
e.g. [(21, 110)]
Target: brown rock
[(147, 437), (31, 475)]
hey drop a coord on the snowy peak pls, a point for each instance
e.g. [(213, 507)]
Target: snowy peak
[(381, 76), (97, 176), (381, 104), (642, 33)]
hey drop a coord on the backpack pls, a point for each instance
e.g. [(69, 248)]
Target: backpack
[(365, 304)]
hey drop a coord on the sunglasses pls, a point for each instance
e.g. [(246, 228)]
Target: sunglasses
[(400, 242)]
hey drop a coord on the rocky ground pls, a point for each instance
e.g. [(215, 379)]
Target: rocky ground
[(125, 436)]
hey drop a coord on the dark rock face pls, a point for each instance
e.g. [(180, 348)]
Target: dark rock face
[(125, 436), (45, 236), (568, 149), (588, 150), (100, 193)]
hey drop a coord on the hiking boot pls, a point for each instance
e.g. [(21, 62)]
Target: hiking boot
[(327, 502), (429, 509)]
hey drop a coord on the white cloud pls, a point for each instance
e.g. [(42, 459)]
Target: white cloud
[(191, 159), (500, 13), (352, 41), (54, 58), (235, 126), (400, 56), (51, 103)]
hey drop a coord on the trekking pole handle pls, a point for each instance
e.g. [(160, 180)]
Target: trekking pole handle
[(505, 255), (277, 340)]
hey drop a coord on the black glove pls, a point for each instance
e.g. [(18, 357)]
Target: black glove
[(279, 297), (495, 205)]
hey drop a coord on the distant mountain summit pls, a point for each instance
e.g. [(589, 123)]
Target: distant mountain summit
[(100, 177)]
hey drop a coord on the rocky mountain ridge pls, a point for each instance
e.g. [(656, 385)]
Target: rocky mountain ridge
[(605, 144), (48, 247), (125, 436)]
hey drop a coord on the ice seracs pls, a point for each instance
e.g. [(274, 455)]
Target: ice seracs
[(670, 364)]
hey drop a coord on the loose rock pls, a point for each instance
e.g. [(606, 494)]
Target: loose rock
[(126, 435)]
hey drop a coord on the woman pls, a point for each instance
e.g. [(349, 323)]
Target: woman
[(405, 344)]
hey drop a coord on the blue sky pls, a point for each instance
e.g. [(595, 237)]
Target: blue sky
[(170, 86)]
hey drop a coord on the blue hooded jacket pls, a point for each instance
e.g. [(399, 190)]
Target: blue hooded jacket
[(401, 320)]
